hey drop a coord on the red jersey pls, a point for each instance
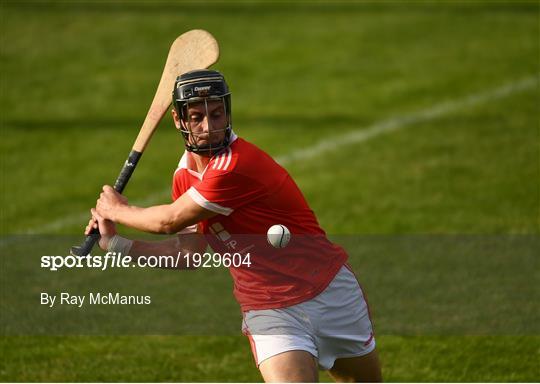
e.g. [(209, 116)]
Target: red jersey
[(251, 192)]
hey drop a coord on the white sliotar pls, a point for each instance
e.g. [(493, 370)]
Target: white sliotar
[(278, 236)]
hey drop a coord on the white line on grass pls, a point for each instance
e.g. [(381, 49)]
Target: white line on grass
[(331, 144)]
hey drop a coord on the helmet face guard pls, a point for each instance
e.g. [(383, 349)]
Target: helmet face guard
[(207, 90)]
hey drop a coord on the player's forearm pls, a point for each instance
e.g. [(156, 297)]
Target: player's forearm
[(177, 249), (156, 219), (140, 248)]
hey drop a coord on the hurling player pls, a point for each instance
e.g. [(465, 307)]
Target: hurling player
[(303, 308)]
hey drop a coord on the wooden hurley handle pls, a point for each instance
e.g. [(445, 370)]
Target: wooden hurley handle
[(196, 49)]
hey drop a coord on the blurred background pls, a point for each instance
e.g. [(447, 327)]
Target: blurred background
[(409, 119)]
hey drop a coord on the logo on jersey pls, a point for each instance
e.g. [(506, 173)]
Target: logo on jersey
[(220, 232)]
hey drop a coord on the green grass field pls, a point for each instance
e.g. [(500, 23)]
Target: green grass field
[(426, 117)]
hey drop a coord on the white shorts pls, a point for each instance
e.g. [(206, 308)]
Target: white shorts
[(332, 325)]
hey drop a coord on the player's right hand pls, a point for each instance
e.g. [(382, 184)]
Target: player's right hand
[(107, 228)]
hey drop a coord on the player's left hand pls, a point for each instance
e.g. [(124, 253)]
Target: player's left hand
[(107, 229), (109, 202)]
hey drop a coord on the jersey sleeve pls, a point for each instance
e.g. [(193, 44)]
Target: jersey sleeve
[(177, 190), (178, 186), (223, 192)]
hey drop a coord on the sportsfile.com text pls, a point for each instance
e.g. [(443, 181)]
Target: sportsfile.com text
[(114, 260)]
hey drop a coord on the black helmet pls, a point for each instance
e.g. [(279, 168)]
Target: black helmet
[(201, 86)]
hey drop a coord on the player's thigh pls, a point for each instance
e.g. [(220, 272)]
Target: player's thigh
[(365, 368), (290, 366)]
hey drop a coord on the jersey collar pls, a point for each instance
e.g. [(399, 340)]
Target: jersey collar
[(188, 164)]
